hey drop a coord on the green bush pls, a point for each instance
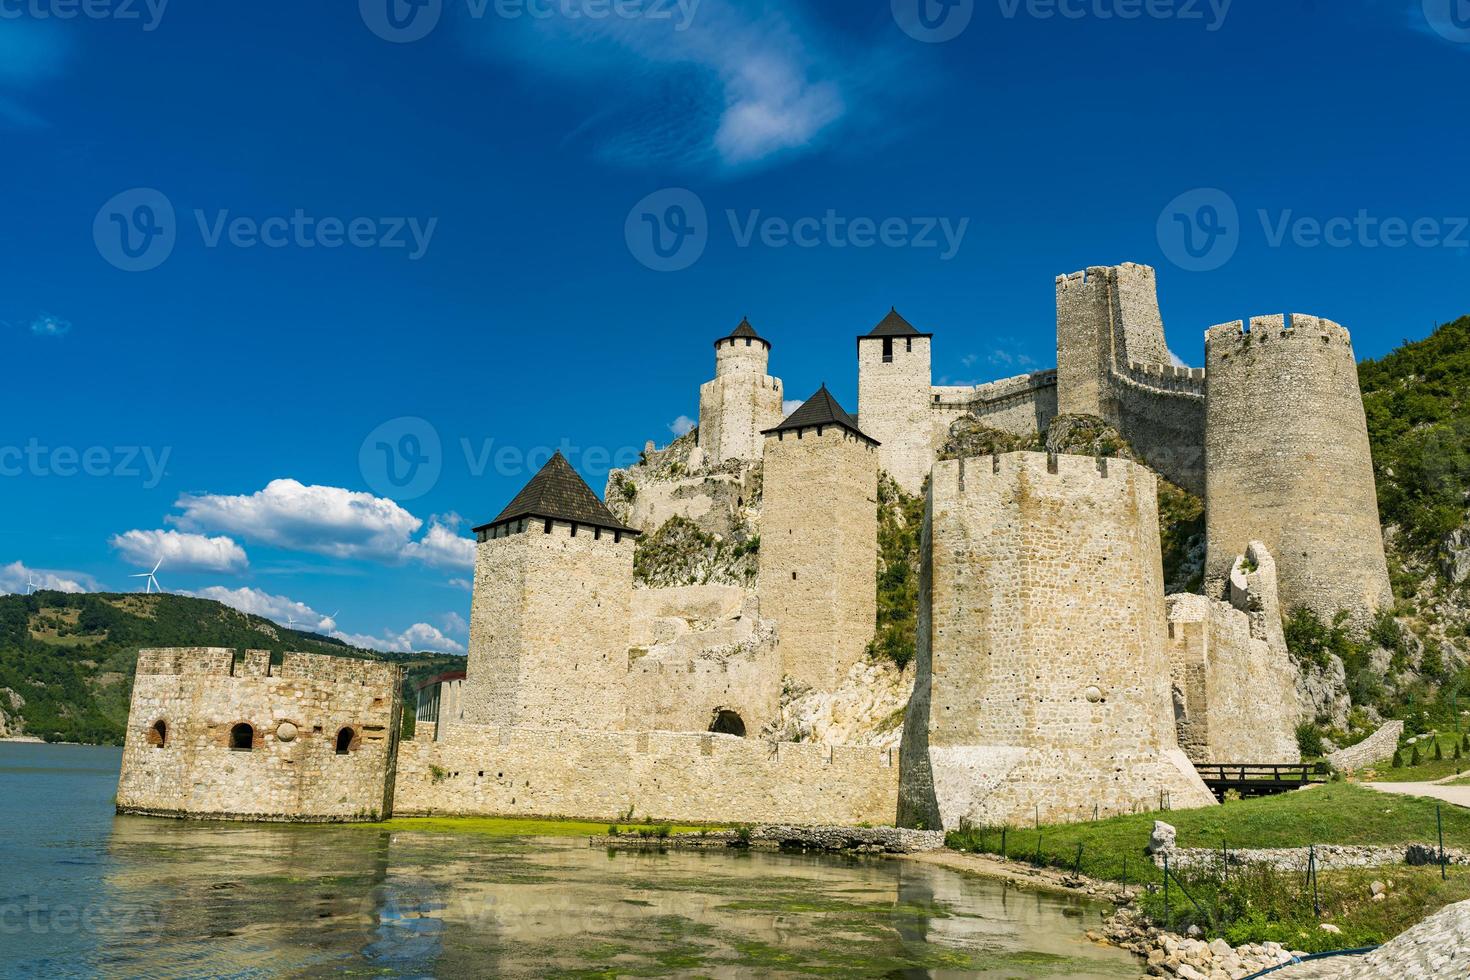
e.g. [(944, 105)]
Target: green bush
[(1398, 759), (1438, 750), (900, 524), (1309, 740), (1414, 758)]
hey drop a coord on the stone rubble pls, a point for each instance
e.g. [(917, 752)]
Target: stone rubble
[(1170, 955)]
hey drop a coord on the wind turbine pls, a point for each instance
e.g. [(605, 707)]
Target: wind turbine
[(31, 583), (152, 582)]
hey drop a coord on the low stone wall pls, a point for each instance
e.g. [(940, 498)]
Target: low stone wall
[(482, 770), (1376, 747), (1329, 856), (862, 840)]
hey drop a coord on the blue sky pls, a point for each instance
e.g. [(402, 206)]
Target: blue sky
[(257, 253)]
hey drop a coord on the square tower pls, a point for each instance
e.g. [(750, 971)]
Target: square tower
[(549, 621), (819, 541), (894, 398)]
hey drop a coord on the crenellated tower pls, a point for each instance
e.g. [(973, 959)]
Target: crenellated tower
[(1288, 463), (819, 541), (895, 398), (742, 401), (549, 619)]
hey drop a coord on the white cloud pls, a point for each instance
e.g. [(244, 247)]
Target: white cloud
[(789, 406), (15, 577), (180, 551), (278, 609), (1176, 360), (328, 521), (720, 81), (417, 638), (442, 547), (462, 583), (46, 325), (682, 426), (455, 623)]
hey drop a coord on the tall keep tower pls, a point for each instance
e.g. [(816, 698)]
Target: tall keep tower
[(1107, 317), (894, 396), (1042, 683), (741, 401), (549, 620), (819, 541), (1288, 464)]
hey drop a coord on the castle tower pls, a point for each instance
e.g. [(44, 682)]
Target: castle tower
[(741, 401), (549, 620), (1043, 677), (819, 541), (1107, 317), (1288, 464), (894, 395)]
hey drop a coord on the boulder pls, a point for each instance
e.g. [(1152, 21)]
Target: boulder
[(1162, 839), (1454, 558)]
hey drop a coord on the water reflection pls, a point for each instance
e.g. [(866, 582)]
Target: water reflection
[(234, 900)]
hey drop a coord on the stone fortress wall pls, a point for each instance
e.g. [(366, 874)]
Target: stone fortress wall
[(1235, 688), (1290, 464), (1043, 685), (314, 739), (672, 776), (549, 626), (819, 550)]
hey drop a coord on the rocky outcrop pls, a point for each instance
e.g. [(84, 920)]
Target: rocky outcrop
[(11, 724), (1454, 558), (867, 709)]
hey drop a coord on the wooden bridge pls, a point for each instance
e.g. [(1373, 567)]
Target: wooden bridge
[(1266, 779)]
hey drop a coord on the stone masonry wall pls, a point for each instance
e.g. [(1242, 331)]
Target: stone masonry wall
[(1235, 685), (296, 711), (602, 776), (699, 650), (1289, 464), (739, 404), (1023, 406), (894, 407), (819, 551), (549, 628), (1043, 678)]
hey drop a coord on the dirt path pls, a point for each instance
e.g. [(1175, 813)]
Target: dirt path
[(1458, 795)]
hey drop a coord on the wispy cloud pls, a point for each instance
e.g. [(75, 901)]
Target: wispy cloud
[(682, 426), (47, 325), (32, 53), (418, 637), (278, 609), (720, 82)]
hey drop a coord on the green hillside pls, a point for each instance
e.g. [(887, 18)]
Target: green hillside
[(67, 661)]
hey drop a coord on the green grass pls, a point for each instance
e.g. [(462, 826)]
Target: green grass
[(516, 827), (1428, 770), (1252, 907)]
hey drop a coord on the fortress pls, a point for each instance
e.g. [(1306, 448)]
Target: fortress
[(695, 646)]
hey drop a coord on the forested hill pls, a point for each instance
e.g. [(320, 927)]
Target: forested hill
[(67, 661)]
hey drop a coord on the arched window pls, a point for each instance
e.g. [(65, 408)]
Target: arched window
[(345, 739), (242, 738), (728, 723), (158, 734)]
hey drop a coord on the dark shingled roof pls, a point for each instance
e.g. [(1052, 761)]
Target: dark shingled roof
[(894, 325), (744, 332), (820, 409), (558, 493)]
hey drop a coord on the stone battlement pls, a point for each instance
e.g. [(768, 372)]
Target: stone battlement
[(1021, 386), (1185, 380), (1293, 326), (1093, 273), (222, 662), (1010, 467)]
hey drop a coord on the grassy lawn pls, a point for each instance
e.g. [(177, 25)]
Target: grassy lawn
[(1428, 770), (1257, 905), (519, 827)]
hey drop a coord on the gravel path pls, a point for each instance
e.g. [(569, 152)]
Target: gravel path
[(1458, 795)]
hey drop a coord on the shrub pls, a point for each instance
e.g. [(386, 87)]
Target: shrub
[(1398, 759), (1438, 750), (1309, 740), (1414, 758)]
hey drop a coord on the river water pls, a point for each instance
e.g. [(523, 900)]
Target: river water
[(84, 892)]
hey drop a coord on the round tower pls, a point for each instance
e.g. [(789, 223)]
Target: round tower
[(1288, 464), (741, 401)]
